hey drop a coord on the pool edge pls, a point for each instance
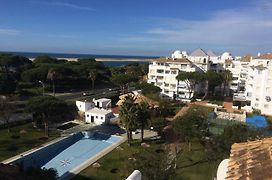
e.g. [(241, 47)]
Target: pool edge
[(92, 160)]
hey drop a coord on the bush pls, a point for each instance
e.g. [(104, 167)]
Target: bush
[(256, 111), (12, 148), (15, 136)]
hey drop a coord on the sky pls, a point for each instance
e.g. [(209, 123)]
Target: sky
[(136, 27)]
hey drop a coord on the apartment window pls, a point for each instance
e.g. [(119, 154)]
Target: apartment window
[(256, 104), (87, 115), (167, 92), (181, 93), (166, 84), (257, 99), (167, 72), (159, 84), (160, 70), (266, 106), (183, 66), (96, 117), (160, 77), (173, 86), (173, 72), (235, 78), (101, 117)]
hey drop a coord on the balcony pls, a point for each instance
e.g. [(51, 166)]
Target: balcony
[(239, 96)]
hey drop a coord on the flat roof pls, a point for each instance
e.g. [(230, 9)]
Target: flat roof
[(98, 111), (103, 99)]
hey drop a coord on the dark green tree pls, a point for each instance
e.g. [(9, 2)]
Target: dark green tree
[(143, 117), (192, 125), (7, 83), (128, 116), (148, 89), (155, 166), (190, 79), (50, 110), (45, 59)]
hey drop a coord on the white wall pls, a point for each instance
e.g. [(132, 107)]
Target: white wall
[(98, 118), (84, 106)]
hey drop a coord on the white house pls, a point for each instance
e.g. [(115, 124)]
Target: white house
[(84, 106), (98, 116), (102, 103), (96, 112)]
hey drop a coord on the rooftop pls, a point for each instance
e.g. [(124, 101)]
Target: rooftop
[(98, 111), (199, 53), (180, 60), (264, 56), (251, 160), (103, 100)]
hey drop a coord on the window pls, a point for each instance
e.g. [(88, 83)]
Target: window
[(166, 84), (173, 86), (160, 70), (266, 106), (101, 117), (166, 92), (183, 66), (167, 72), (173, 72), (96, 117), (87, 115), (256, 104), (257, 99)]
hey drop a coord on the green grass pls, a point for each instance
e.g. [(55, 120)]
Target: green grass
[(194, 165), (190, 165), (14, 143), (116, 159)]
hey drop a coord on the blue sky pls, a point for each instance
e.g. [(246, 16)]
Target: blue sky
[(135, 27)]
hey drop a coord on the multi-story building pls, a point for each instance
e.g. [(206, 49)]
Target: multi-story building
[(163, 72), (251, 83), (259, 84)]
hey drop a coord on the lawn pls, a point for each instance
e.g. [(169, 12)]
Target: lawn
[(190, 165), (20, 139), (194, 165), (116, 164)]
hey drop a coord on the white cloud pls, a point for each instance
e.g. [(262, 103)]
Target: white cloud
[(66, 5), (7, 31), (241, 28)]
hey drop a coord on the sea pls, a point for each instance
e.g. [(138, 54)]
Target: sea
[(122, 60)]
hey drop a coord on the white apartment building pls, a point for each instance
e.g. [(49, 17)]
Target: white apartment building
[(259, 84), (163, 72)]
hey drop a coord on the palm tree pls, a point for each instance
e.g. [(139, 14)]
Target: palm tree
[(227, 77), (92, 76), (143, 117), (128, 116), (52, 75)]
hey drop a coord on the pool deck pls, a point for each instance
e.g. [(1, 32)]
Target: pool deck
[(93, 159), (80, 167)]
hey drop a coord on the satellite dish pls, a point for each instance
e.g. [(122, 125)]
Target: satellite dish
[(268, 98)]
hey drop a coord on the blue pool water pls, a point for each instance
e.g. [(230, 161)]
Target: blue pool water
[(68, 155), (257, 121)]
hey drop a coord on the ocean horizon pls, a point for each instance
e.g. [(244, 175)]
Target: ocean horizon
[(140, 59), (74, 55)]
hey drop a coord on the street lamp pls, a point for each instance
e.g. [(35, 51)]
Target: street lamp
[(42, 86)]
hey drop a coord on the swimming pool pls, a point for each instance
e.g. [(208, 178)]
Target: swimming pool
[(72, 154)]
